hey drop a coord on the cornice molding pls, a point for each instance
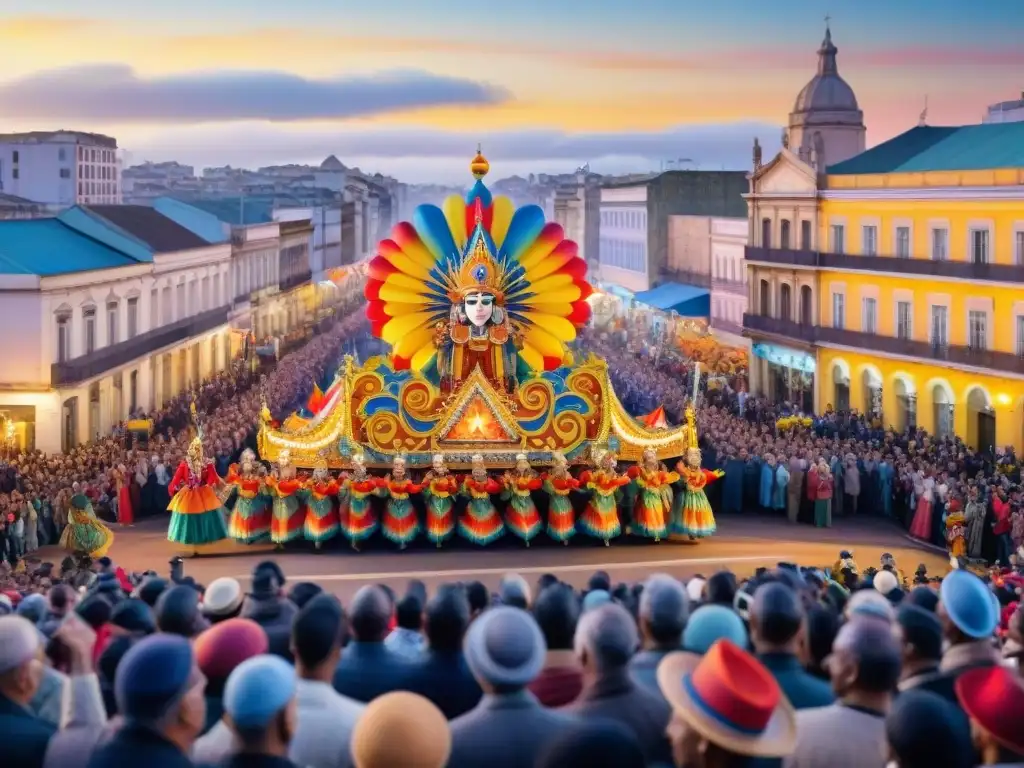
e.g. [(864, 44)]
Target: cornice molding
[(951, 194)]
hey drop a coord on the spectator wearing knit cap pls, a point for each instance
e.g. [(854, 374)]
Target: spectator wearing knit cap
[(921, 634), (778, 630), (151, 589), (606, 640), (441, 673), (925, 730), (969, 614), (259, 701), (159, 693), (326, 719), (515, 591), (178, 612), (711, 623), (402, 730), (663, 611), (505, 651), (993, 698), (219, 650), (268, 607), (557, 612), (222, 600)]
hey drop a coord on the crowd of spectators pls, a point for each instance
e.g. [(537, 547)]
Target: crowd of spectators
[(100, 669)]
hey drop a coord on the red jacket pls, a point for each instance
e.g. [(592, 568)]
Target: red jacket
[(1002, 512)]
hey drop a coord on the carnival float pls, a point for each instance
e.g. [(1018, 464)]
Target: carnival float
[(480, 303)]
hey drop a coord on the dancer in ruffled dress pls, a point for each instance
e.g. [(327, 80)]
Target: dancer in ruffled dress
[(521, 515), (480, 522), (400, 523), (84, 533), (197, 513), (125, 509), (695, 519), (321, 522), (439, 490), (558, 484), (355, 507), (653, 506), (600, 519), (250, 516), (288, 511)]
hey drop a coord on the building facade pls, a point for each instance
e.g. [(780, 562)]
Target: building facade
[(577, 207), (909, 295), (728, 279), (1006, 111), (61, 168)]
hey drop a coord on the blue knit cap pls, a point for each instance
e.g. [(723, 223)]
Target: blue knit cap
[(970, 604), (711, 623), (153, 676), (257, 689), (596, 599)]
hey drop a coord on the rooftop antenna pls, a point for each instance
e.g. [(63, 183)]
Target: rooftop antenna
[(923, 119)]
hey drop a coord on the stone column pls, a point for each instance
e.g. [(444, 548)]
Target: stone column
[(144, 385), (106, 405)]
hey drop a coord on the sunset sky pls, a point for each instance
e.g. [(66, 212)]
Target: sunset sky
[(408, 87)]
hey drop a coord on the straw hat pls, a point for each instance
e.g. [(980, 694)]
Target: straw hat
[(731, 699)]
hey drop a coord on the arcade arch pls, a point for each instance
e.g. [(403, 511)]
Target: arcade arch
[(905, 390), (841, 385), (871, 381), (981, 419), (943, 407)]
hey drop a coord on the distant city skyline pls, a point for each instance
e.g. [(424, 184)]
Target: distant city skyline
[(409, 89)]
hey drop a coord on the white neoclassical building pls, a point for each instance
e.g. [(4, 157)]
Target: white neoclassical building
[(105, 310)]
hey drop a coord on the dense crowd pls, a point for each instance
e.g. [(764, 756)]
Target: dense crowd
[(124, 479), (818, 667)]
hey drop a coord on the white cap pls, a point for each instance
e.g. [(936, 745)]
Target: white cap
[(885, 582), (19, 642), (695, 589), (222, 596)]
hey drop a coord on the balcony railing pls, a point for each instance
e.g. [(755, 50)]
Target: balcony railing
[(721, 285), (892, 345), (917, 267), (107, 358), (294, 281)]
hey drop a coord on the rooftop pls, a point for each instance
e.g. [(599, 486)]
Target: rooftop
[(236, 211), (154, 229), (48, 247), (989, 146), (41, 137)]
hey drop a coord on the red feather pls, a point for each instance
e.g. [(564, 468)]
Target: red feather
[(379, 268), (580, 314), (375, 312), (576, 267), (552, 363), (586, 289), (401, 363), (377, 327), (372, 289)]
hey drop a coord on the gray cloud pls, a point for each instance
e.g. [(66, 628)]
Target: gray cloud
[(115, 94), (393, 151)]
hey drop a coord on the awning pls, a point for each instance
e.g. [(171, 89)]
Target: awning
[(686, 300)]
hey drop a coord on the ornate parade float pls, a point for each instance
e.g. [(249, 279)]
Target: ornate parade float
[(480, 303)]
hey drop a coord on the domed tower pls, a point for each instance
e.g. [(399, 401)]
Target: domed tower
[(826, 126)]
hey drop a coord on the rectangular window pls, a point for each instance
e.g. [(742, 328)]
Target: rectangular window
[(904, 320), (869, 315), (839, 311), (65, 173), (869, 235), (64, 339), (1018, 247), (940, 326), (902, 242), (979, 246), (112, 323), (838, 238), (940, 244), (805, 235), (133, 317), (180, 315), (217, 300), (90, 330), (977, 330)]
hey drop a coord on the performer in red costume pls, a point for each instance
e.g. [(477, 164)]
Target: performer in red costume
[(521, 515), (197, 513), (289, 513), (321, 517), (480, 522), (558, 484), (355, 505), (400, 523)]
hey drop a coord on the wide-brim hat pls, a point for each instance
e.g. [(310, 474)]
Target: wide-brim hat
[(745, 712), (505, 647)]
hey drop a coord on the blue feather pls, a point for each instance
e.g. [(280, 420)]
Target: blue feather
[(481, 191), (526, 224), (432, 227)]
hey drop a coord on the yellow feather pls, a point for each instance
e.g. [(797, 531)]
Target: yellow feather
[(533, 358), (398, 309), (455, 213), (537, 252), (408, 265), (545, 285), (544, 342), (557, 326), (545, 267), (501, 216), (397, 329), (422, 357), (567, 293), (418, 252), (389, 293), (398, 280), (558, 309), (412, 341)]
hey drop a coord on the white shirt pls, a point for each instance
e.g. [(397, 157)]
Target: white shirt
[(324, 728)]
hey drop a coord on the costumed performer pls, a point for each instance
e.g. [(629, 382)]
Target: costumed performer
[(400, 523), (321, 522), (600, 519), (85, 534), (439, 489), (844, 563), (521, 515), (653, 505), (695, 518), (355, 506), (288, 513), (125, 509), (956, 529), (480, 521), (197, 513), (820, 487), (558, 484), (250, 516)]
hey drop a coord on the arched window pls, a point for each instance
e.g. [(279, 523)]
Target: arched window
[(766, 233), (784, 234), (806, 305), (764, 303), (785, 302)]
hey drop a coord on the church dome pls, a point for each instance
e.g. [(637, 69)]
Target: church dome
[(827, 91)]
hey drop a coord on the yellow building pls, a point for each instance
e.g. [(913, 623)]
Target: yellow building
[(909, 291)]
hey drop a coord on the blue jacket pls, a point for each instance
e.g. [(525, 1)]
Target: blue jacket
[(26, 736), (369, 670)]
